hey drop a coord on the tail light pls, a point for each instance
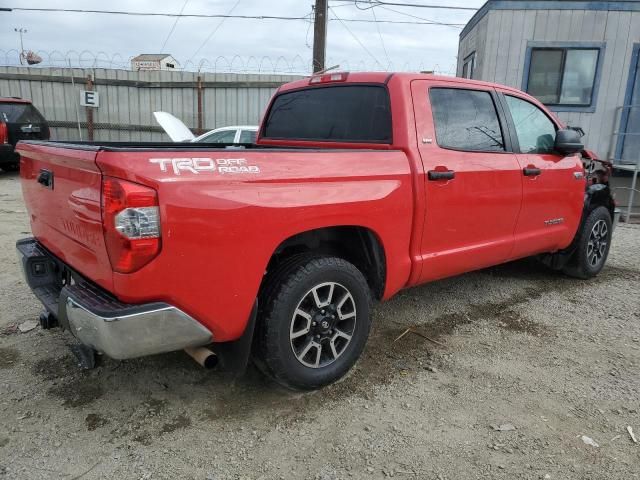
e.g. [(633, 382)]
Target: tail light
[(4, 133), (131, 220)]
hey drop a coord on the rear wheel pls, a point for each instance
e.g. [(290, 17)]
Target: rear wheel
[(593, 245), (315, 322)]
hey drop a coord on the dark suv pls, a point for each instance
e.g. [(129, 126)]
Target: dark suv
[(19, 120)]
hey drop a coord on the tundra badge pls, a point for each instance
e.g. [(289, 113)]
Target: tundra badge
[(554, 221)]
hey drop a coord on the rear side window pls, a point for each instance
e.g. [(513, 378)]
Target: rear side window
[(350, 113), (466, 120), (19, 113), (536, 132)]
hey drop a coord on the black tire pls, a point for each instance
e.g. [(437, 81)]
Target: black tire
[(288, 292), (592, 246)]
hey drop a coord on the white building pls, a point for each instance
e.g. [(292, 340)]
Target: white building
[(153, 61)]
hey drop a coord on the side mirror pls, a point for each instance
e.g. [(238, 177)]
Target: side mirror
[(568, 142)]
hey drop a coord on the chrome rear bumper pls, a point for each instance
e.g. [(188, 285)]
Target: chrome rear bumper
[(153, 329), (98, 319)]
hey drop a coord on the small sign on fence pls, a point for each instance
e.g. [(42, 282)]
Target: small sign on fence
[(89, 99)]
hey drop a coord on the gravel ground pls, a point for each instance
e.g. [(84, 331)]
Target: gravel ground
[(530, 362)]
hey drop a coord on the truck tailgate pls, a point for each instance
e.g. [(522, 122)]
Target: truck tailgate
[(62, 190)]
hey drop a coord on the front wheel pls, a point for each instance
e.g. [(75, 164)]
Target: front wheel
[(315, 322), (594, 241)]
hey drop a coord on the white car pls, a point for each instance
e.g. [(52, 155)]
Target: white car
[(179, 132)]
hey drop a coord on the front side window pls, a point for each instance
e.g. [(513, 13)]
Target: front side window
[(563, 76), (535, 131), (466, 120), (350, 113)]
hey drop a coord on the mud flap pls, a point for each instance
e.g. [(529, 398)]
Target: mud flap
[(234, 356)]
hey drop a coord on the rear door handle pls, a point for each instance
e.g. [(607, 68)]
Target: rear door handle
[(531, 171), (441, 174)]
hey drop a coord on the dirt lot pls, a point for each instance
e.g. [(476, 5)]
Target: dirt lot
[(554, 357)]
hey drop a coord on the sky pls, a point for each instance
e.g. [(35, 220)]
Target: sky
[(239, 45)]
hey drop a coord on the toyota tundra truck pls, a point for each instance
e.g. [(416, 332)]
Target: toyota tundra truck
[(359, 185)]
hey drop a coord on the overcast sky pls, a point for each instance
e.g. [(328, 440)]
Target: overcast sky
[(356, 46)]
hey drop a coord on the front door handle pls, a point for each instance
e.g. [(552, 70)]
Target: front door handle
[(531, 171), (441, 174)]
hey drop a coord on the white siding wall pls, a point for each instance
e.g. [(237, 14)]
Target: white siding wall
[(500, 41)]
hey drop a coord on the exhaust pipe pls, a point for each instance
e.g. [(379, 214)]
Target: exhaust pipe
[(203, 356)]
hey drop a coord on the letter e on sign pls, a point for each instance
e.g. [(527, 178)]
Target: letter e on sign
[(89, 99)]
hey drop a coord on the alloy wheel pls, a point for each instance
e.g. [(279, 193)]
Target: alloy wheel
[(597, 244), (323, 325)]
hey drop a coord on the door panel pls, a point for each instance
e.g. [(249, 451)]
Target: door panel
[(553, 185), (473, 197)]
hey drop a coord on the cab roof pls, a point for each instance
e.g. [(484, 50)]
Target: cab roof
[(386, 77)]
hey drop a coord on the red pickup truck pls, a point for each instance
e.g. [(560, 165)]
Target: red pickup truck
[(359, 185)]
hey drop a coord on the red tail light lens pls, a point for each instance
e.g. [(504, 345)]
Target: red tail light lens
[(4, 133), (131, 220)]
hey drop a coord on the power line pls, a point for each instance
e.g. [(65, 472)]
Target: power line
[(355, 37), (173, 27), (401, 22), (213, 32), (415, 5), (380, 4), (156, 14), (239, 17), (384, 48), (434, 22)]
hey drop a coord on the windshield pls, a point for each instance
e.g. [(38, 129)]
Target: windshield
[(348, 113), (19, 113)]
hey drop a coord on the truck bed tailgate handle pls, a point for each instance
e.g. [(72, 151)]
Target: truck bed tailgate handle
[(441, 174)]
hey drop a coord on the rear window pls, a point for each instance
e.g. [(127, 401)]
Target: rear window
[(19, 113), (349, 113)]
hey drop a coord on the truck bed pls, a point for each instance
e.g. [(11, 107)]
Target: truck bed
[(223, 213)]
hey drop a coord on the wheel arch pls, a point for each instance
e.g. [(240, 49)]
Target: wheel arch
[(359, 245), (598, 195)]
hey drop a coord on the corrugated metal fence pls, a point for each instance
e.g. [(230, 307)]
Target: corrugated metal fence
[(128, 99)]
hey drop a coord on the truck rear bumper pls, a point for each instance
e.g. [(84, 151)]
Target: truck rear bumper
[(101, 321)]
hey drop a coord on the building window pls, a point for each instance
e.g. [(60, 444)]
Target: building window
[(563, 76), (469, 66)]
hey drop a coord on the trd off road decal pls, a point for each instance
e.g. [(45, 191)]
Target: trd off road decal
[(205, 165)]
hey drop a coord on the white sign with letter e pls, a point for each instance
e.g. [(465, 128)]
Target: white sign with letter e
[(89, 99)]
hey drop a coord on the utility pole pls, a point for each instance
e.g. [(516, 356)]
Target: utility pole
[(320, 35), (21, 31)]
